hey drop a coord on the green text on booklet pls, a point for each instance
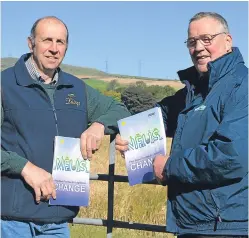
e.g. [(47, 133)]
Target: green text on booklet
[(70, 173), (146, 136)]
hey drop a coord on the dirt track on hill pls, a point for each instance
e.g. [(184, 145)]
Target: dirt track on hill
[(174, 84)]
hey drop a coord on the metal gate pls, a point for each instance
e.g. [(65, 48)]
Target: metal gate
[(109, 223)]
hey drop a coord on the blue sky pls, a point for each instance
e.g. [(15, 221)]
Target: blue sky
[(135, 38)]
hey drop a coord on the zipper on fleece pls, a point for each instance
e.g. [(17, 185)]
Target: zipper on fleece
[(56, 121), (54, 111), (53, 108), (55, 117)]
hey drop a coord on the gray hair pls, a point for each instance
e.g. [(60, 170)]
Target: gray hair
[(33, 29), (213, 15)]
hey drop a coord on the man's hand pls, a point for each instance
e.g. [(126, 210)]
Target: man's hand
[(40, 180), (90, 139), (158, 165), (121, 145)]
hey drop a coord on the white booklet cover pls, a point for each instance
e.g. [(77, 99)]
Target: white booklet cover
[(146, 136), (70, 173)]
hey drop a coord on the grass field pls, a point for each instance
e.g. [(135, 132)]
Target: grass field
[(127, 81), (97, 84), (140, 203)]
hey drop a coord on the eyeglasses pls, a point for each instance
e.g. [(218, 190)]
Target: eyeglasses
[(205, 39)]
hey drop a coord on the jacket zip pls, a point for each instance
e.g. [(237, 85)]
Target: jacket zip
[(55, 117), (217, 218), (54, 111), (53, 108), (56, 122), (56, 125)]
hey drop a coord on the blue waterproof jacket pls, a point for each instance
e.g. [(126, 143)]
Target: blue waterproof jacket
[(207, 172)]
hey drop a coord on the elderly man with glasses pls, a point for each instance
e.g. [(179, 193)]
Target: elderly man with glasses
[(207, 169)]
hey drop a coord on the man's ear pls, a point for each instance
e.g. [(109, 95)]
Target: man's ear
[(31, 43), (229, 42)]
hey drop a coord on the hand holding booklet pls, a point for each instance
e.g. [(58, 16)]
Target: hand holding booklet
[(146, 136), (70, 173)]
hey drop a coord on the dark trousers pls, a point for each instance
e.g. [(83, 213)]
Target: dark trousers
[(207, 236)]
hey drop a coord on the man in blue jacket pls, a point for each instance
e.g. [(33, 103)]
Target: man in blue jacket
[(40, 101), (207, 170)]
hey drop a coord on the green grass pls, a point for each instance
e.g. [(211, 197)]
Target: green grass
[(97, 84), (121, 76)]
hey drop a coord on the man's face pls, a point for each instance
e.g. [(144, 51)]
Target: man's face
[(220, 45), (50, 45)]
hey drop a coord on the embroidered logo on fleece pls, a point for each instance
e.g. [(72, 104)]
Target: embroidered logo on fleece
[(70, 99), (200, 108)]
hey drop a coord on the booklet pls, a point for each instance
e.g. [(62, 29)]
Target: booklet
[(71, 173), (146, 135)]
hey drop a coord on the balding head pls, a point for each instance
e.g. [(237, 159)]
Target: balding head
[(48, 44), (35, 25)]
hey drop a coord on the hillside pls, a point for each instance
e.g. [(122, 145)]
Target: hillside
[(8, 62), (84, 72)]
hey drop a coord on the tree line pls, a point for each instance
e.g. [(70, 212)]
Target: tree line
[(137, 97)]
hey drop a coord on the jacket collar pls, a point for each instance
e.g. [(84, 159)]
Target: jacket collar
[(24, 78), (216, 69)]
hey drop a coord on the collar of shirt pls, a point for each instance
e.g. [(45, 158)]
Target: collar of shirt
[(35, 74)]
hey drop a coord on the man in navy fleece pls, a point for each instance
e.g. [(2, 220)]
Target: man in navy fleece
[(40, 101)]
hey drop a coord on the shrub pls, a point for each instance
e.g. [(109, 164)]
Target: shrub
[(160, 92), (137, 99)]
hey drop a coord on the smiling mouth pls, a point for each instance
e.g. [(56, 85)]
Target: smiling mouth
[(52, 59), (202, 59)]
